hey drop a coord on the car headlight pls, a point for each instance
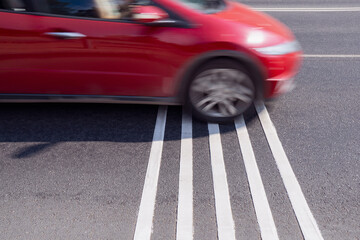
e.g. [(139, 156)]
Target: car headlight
[(280, 49)]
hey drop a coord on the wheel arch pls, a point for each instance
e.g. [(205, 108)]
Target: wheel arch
[(253, 66)]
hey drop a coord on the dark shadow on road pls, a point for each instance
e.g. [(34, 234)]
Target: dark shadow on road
[(32, 150), (48, 124)]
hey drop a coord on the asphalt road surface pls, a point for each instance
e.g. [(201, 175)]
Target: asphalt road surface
[(290, 170)]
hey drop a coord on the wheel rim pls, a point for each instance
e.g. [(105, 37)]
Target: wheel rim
[(221, 92)]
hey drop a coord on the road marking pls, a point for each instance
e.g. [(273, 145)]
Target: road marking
[(302, 211), (329, 56), (318, 9), (224, 217), (185, 229), (143, 228), (261, 204)]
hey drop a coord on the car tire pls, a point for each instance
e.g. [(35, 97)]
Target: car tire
[(220, 91)]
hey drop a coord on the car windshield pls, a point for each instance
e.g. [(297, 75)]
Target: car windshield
[(206, 6)]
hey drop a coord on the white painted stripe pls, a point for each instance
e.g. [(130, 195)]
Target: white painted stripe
[(302, 211), (319, 9), (262, 209), (185, 229), (330, 56), (224, 217), (143, 228)]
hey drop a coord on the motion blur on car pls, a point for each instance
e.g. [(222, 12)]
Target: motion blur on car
[(215, 57)]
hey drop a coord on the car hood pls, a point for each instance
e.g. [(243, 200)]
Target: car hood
[(242, 14)]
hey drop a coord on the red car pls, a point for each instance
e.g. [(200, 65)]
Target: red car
[(214, 56)]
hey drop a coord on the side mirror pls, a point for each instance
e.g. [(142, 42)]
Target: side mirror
[(148, 14)]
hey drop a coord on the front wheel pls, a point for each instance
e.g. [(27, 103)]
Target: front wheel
[(220, 91)]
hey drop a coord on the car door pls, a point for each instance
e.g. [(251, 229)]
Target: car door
[(21, 48), (73, 51)]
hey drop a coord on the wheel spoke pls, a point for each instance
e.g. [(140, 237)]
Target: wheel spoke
[(203, 101), (243, 90), (242, 97), (222, 109), (230, 108), (209, 106)]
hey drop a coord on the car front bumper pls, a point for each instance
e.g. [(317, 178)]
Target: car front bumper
[(281, 71)]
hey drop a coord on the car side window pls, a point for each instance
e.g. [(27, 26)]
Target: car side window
[(13, 5), (78, 8), (105, 9)]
